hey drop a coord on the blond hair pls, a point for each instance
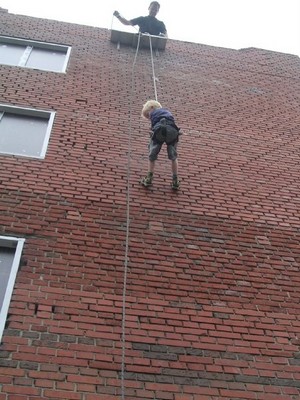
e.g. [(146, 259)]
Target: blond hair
[(149, 106)]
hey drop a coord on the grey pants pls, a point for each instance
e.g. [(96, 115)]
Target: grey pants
[(155, 147)]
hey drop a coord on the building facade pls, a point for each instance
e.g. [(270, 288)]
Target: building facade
[(110, 290)]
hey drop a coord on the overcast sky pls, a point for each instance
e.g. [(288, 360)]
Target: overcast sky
[(266, 24)]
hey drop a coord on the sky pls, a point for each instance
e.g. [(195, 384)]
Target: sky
[(266, 24)]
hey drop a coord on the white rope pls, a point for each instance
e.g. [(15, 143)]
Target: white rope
[(153, 73), (123, 362), (127, 232)]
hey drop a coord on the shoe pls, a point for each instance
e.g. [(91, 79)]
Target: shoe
[(147, 181), (175, 184)]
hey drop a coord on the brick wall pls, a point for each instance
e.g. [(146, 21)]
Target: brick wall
[(213, 286)]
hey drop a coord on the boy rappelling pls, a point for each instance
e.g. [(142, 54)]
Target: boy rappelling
[(164, 130), (163, 127)]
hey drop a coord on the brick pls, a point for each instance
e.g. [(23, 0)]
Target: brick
[(22, 390), (59, 394)]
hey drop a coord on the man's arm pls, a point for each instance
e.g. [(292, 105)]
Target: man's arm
[(122, 19), (164, 32)]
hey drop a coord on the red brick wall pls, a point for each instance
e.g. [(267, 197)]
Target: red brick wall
[(213, 287)]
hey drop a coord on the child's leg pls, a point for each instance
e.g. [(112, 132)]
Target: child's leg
[(172, 154), (154, 149), (151, 166), (175, 180), (175, 167), (147, 181)]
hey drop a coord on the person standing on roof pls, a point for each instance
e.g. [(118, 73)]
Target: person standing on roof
[(149, 24)]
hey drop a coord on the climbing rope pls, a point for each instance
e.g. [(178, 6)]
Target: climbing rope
[(151, 52), (123, 362), (153, 73)]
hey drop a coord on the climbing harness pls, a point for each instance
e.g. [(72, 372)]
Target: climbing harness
[(165, 132)]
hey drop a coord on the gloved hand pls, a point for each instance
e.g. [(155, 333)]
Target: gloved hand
[(116, 14)]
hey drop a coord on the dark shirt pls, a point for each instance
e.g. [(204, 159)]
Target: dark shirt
[(149, 25), (160, 113)]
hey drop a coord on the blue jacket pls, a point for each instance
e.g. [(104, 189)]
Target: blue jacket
[(160, 113)]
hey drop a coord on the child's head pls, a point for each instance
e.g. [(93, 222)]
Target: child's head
[(150, 106)]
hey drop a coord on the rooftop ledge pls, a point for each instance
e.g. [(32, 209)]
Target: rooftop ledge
[(131, 39)]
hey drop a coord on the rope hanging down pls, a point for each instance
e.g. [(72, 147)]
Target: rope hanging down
[(123, 361), (153, 73), (127, 232)]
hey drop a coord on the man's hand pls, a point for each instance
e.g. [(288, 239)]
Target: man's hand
[(116, 14)]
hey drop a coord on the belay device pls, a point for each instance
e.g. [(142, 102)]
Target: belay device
[(165, 132)]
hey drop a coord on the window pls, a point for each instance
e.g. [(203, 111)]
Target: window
[(31, 54), (10, 255), (24, 131)]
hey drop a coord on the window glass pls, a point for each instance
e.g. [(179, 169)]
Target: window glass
[(32, 54), (46, 59), (24, 132), (6, 260), (11, 54), (10, 255), (22, 135)]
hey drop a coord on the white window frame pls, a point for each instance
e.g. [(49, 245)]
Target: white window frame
[(17, 243), (47, 115), (31, 44)]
